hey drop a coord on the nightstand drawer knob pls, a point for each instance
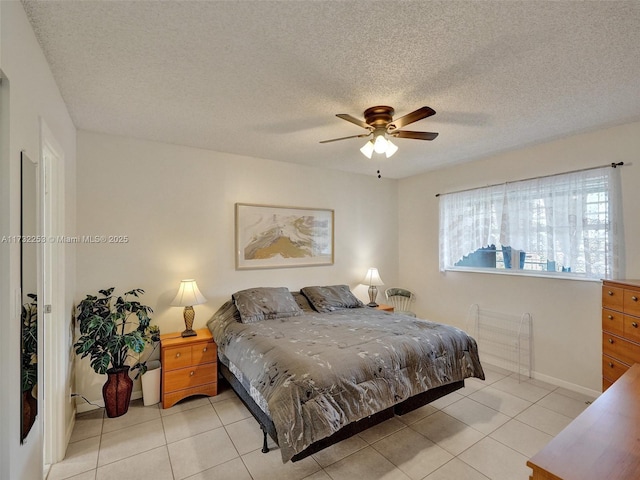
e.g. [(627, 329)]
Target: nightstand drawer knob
[(610, 317), (634, 298), (178, 355), (610, 292), (191, 373), (611, 340), (204, 349), (611, 364), (634, 324)]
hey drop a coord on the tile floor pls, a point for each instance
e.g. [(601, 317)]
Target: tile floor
[(487, 430)]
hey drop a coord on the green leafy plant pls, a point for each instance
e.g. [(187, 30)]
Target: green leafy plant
[(111, 329), (154, 331), (30, 343)]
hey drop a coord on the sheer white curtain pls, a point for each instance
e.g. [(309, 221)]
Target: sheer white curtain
[(469, 220), (568, 222)]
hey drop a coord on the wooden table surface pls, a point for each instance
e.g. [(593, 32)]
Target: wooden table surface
[(602, 443)]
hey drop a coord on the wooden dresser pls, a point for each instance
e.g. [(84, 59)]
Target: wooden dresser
[(620, 328), (601, 443), (189, 366)]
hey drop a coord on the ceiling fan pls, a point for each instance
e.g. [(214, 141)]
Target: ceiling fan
[(380, 123)]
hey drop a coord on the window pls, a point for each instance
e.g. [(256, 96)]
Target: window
[(567, 223)]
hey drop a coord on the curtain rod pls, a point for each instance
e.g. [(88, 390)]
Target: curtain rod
[(612, 165)]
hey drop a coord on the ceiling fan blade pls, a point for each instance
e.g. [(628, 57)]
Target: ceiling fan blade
[(357, 121), (414, 116), (414, 135), (344, 138)]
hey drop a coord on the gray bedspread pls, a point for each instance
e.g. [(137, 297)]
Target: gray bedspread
[(321, 371)]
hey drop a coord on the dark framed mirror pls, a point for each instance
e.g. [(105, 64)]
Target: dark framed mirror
[(29, 287)]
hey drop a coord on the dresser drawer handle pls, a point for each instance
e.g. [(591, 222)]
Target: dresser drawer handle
[(204, 349), (634, 324), (191, 373), (178, 355), (611, 340), (610, 292), (610, 317), (611, 364), (634, 298)]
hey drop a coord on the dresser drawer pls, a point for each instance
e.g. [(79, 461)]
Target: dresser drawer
[(612, 322), (612, 369), (631, 302), (176, 357), (612, 298), (631, 328), (616, 347), (190, 377)]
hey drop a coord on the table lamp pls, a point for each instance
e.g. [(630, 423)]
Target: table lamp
[(188, 295), (372, 278)]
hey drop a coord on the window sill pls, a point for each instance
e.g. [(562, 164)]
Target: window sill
[(525, 273)]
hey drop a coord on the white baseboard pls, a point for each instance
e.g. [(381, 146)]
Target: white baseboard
[(552, 380), (568, 385)]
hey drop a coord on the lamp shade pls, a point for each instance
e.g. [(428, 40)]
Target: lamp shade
[(367, 149), (372, 278), (391, 148), (188, 294)]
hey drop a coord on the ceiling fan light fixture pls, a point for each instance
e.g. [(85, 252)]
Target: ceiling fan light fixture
[(379, 122), (367, 149), (391, 148)]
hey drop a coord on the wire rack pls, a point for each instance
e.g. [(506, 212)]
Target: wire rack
[(503, 339)]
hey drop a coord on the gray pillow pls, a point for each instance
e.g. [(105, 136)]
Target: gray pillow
[(331, 297), (302, 302), (265, 303)]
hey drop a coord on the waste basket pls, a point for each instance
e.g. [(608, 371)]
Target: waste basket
[(151, 383)]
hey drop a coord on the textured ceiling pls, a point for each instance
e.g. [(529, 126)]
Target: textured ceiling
[(265, 79)]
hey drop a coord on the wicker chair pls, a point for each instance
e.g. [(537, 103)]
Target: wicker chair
[(401, 300)]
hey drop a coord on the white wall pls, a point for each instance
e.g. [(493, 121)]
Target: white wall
[(33, 95), (566, 313), (176, 205)]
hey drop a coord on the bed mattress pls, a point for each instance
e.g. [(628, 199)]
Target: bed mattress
[(317, 372)]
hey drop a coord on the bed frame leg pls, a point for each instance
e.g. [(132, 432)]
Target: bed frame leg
[(265, 447)]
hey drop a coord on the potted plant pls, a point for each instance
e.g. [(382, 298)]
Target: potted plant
[(29, 314), (110, 329)]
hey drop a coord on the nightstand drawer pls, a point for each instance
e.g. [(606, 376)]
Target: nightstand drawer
[(203, 353), (184, 356), (190, 377), (178, 357)]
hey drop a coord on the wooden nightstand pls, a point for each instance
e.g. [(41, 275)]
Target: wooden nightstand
[(189, 366), (384, 308)]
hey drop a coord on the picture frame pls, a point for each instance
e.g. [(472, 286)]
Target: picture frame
[(273, 236)]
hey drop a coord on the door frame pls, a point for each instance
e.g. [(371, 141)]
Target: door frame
[(52, 275)]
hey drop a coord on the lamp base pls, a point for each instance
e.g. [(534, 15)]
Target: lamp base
[(373, 293), (189, 315)]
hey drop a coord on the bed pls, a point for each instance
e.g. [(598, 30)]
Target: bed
[(316, 366)]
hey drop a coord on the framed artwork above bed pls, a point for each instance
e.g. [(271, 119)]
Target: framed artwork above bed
[(271, 236)]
